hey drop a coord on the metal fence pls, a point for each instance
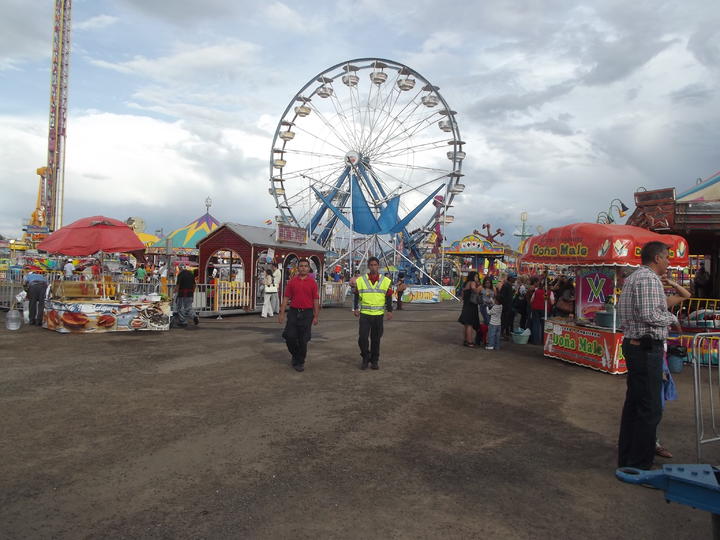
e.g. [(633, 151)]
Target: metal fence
[(209, 298), (8, 291), (334, 293), (706, 388), (700, 313)]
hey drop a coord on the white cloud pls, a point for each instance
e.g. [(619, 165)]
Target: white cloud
[(191, 63), (23, 143), (284, 17), (96, 23)]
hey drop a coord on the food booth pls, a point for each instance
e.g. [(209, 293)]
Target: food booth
[(101, 305), (600, 255)]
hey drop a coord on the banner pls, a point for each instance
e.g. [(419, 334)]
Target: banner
[(593, 286), (421, 294), (591, 347), (86, 317)]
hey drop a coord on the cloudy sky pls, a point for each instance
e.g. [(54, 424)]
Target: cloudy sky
[(564, 105)]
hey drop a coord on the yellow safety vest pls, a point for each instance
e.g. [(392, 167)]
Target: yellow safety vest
[(372, 298)]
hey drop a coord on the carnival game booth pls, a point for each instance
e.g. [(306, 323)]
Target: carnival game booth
[(600, 255), (250, 251), (477, 253), (99, 305)]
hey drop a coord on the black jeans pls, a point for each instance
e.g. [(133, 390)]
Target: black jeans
[(297, 333), (36, 295), (524, 314), (371, 326), (507, 319), (642, 411)]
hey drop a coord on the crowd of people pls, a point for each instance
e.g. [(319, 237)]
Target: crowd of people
[(493, 309)]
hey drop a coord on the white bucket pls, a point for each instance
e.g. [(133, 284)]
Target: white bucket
[(13, 320)]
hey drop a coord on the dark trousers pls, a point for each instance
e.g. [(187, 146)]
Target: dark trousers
[(371, 326), (643, 405), (507, 320), (524, 314), (36, 295), (537, 326), (297, 333)]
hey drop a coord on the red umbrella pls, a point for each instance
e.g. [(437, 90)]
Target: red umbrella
[(90, 235)]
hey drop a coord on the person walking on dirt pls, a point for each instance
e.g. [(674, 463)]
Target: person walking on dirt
[(184, 291), (372, 300), (644, 318), (301, 292)]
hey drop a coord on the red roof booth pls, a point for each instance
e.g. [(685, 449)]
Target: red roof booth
[(245, 251), (597, 252)]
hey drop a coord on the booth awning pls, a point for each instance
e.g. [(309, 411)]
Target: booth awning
[(92, 234), (185, 239), (599, 244)]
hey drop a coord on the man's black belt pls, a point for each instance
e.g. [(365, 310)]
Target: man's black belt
[(301, 309)]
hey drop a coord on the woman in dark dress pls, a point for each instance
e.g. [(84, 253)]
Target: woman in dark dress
[(469, 316)]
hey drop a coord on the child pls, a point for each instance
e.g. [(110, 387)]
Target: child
[(493, 341)]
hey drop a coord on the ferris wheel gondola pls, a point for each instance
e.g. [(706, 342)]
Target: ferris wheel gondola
[(366, 128)]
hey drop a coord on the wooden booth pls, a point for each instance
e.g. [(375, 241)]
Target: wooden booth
[(238, 256)]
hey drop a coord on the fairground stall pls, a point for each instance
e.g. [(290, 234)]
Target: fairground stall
[(247, 252), (600, 256), (102, 304), (474, 252)]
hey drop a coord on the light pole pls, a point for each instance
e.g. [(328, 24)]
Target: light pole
[(606, 217), (523, 234)]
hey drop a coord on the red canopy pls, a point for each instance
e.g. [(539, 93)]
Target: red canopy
[(90, 235), (599, 244)]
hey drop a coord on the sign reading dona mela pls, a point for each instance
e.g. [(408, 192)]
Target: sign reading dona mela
[(563, 250), (591, 347)]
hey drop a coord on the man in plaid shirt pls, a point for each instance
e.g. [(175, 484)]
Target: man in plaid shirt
[(645, 319)]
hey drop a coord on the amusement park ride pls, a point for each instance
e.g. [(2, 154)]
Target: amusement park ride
[(48, 212), (358, 145)]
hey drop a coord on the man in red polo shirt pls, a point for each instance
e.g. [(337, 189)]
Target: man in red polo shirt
[(301, 292)]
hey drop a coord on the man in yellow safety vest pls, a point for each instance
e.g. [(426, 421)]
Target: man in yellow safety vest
[(373, 299)]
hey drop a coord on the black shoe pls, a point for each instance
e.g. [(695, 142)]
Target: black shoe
[(196, 320), (374, 365), (364, 364), (299, 367)]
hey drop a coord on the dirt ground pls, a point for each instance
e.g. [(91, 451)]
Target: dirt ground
[(208, 433)]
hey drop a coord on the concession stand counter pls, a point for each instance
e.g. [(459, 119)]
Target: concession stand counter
[(601, 255)]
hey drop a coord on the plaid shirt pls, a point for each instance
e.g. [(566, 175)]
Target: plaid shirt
[(643, 306)]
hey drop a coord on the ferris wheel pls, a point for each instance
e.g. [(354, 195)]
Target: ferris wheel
[(373, 129)]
